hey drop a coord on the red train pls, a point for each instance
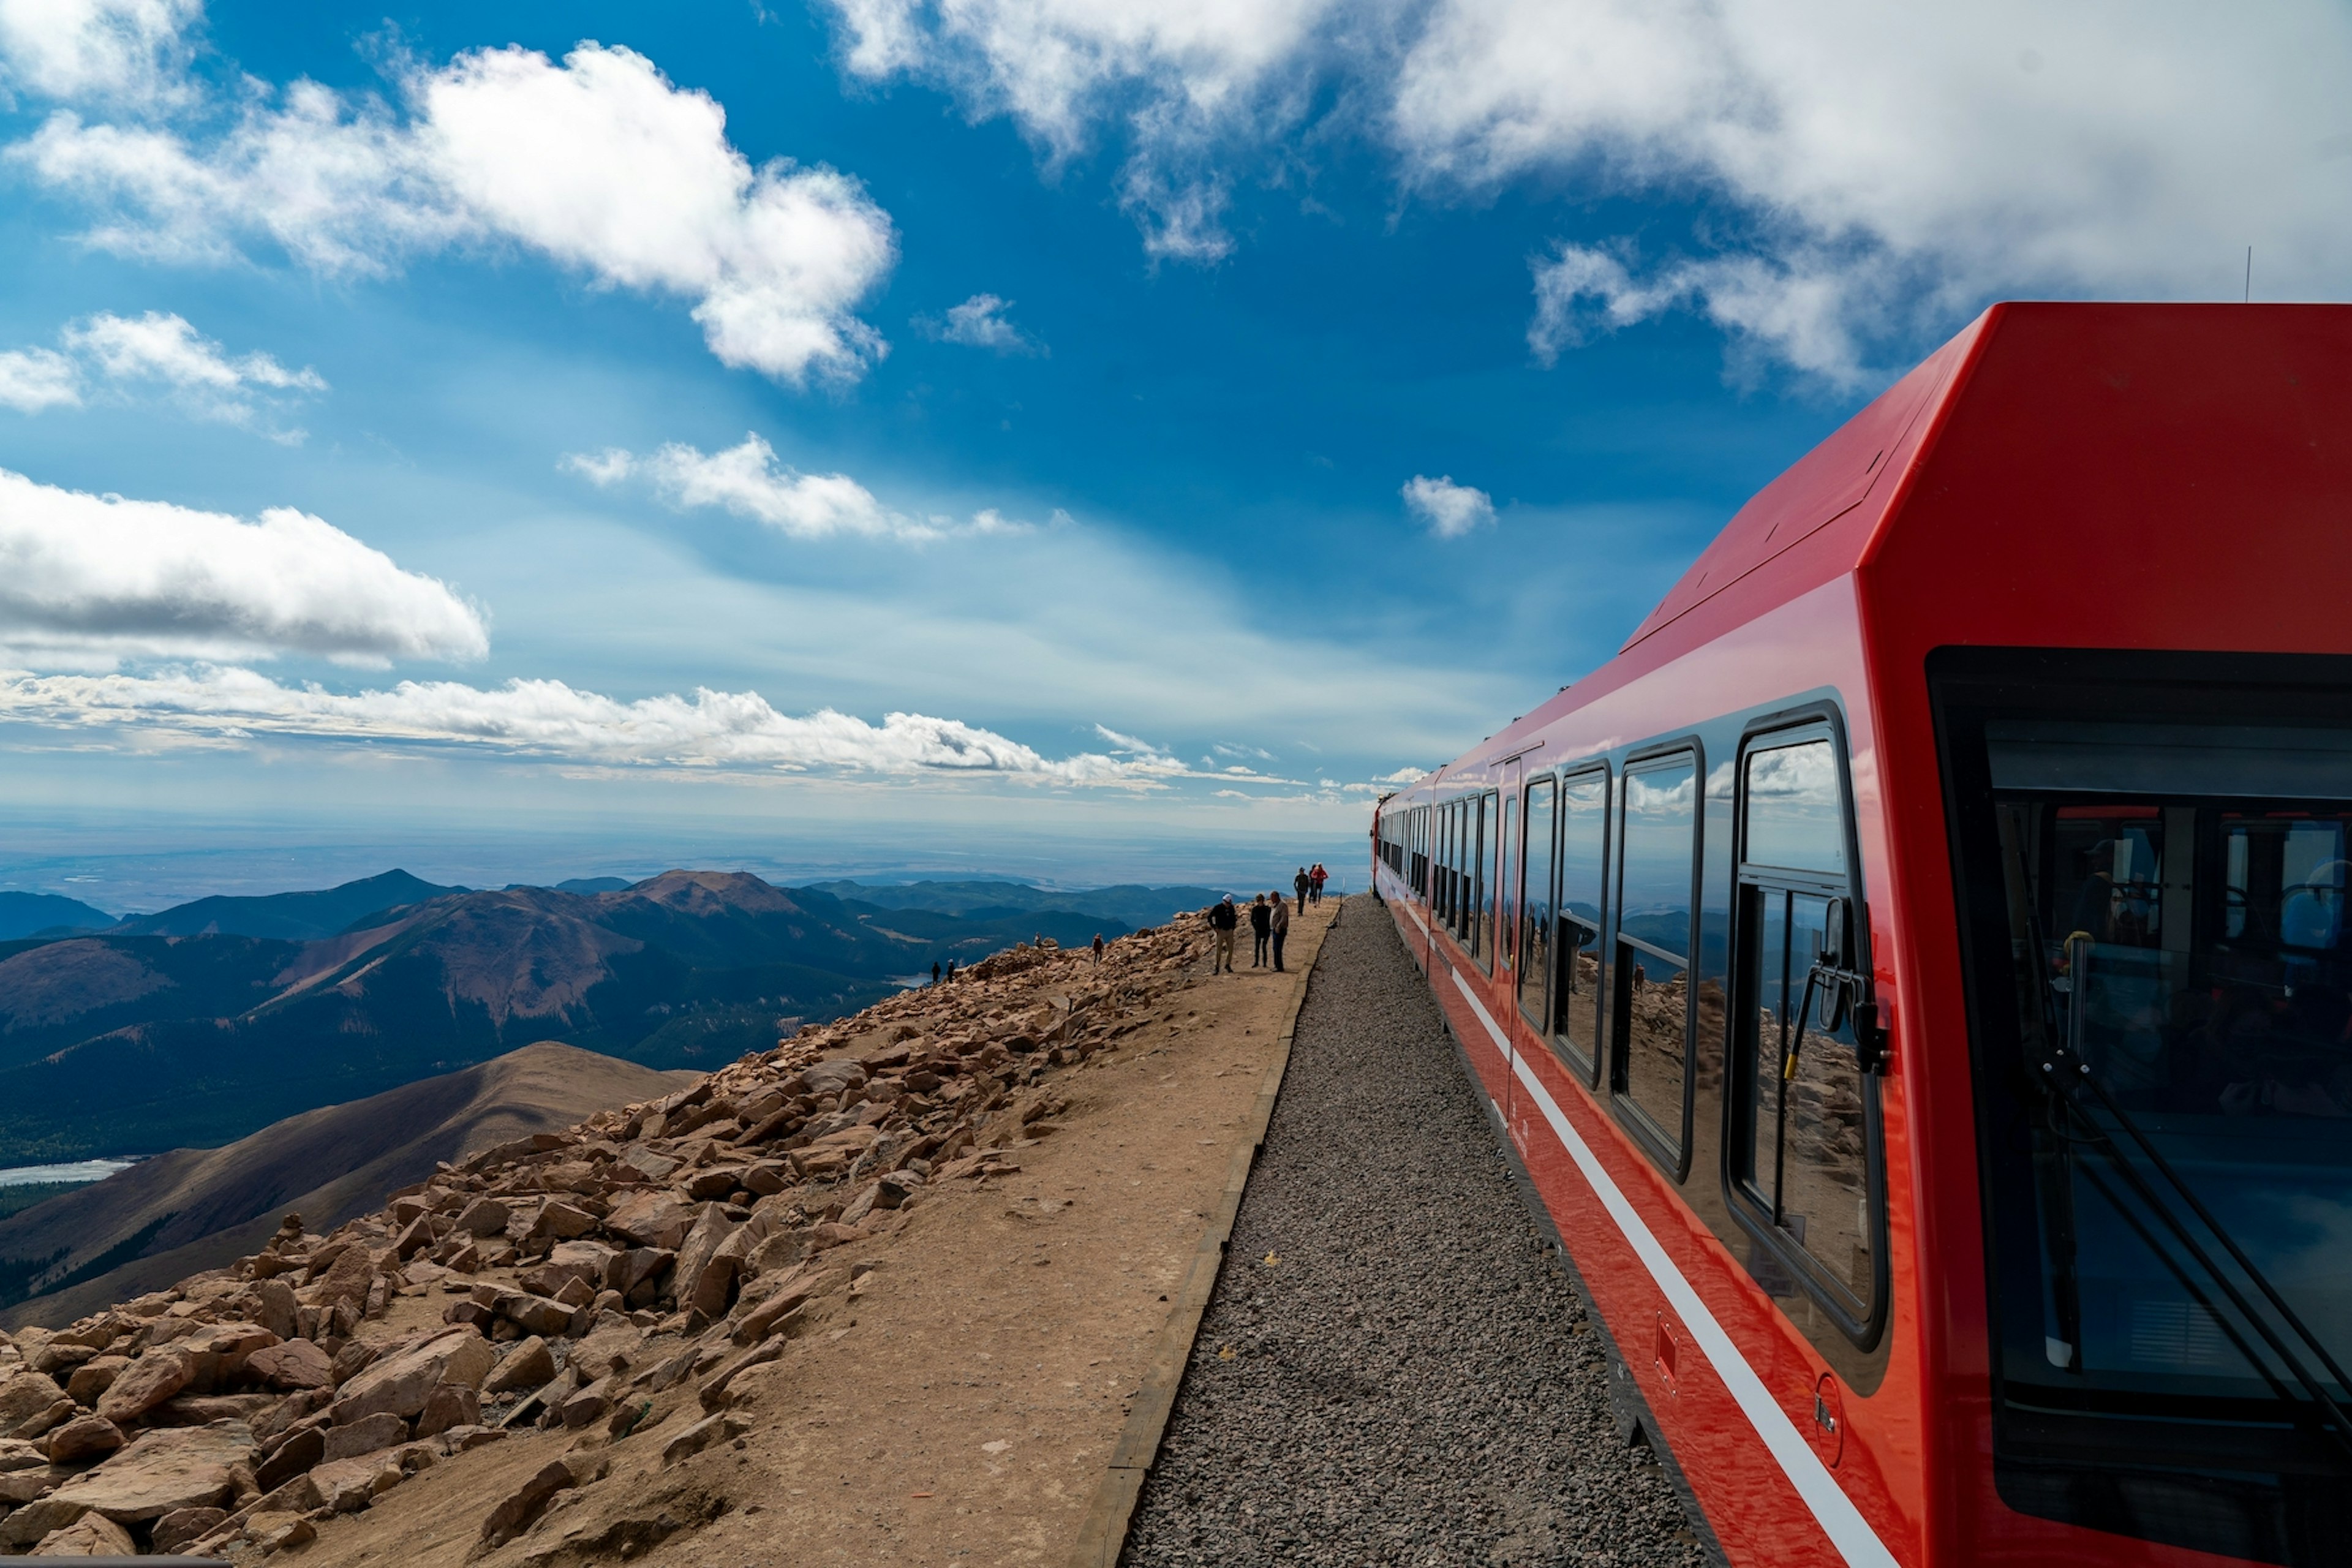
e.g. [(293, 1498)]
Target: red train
[(1913, 975)]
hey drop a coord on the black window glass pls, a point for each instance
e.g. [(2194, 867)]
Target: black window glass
[(1536, 916), (1583, 848), (2178, 941), (1659, 827)]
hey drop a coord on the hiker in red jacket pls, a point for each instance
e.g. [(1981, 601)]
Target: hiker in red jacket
[(1315, 879)]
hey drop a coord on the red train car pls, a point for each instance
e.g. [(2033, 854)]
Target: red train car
[(1913, 972)]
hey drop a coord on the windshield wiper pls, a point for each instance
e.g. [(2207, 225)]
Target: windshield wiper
[(2065, 1074)]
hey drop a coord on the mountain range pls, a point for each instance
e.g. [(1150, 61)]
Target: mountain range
[(186, 1211), (201, 1023)]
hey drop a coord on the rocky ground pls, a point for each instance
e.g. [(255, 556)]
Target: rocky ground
[(644, 1332), (1393, 1368)]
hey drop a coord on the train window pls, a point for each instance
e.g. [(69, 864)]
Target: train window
[(1801, 1145), (2152, 877), (1506, 874), (1535, 901), (1576, 946), (1658, 840), (1480, 924)]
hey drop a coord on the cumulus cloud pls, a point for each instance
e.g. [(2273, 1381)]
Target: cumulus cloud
[(981, 322), (35, 379), (1188, 81), (736, 730), (88, 579), (599, 163), (749, 481), (1450, 510), (158, 350), (1885, 165), (1863, 175), (130, 49)]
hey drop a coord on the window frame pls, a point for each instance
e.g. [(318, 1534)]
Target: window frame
[(1541, 1021), (1750, 1209), (1585, 1065), (1671, 1151)]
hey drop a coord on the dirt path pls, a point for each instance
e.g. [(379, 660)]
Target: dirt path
[(958, 1406)]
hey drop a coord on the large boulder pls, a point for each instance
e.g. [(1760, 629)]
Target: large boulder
[(401, 1383), (25, 1398), (183, 1466), (146, 1383), (91, 1535), (297, 1363), (654, 1219)]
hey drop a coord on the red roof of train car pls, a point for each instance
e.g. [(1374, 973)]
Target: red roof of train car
[(2135, 424)]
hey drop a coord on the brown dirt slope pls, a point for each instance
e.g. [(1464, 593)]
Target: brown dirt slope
[(208, 1205)]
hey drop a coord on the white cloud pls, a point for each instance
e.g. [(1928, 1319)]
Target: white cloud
[(1892, 163), (599, 163), (161, 348), (734, 730), (130, 49), (88, 579), (981, 322), (1450, 510), (749, 481), (1188, 77), (1864, 174), (35, 379)]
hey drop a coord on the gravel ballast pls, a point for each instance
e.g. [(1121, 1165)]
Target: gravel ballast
[(1395, 1367)]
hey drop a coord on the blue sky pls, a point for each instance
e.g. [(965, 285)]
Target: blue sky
[(1121, 394)]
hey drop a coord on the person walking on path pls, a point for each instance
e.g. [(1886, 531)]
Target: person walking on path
[(1098, 947), (1301, 882), (1280, 918), (1261, 923), (1315, 876), (1223, 919)]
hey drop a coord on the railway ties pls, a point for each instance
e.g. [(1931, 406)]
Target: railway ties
[(1393, 1367)]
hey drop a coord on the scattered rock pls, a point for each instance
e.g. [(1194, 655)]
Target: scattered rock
[(146, 1383), (364, 1435), (402, 1382), (181, 1526), (528, 1365), (295, 1364), (79, 1441), (162, 1472), (92, 1535)]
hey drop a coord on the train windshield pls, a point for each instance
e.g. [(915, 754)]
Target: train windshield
[(2176, 898)]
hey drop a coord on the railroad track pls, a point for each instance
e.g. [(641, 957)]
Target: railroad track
[(1394, 1367)]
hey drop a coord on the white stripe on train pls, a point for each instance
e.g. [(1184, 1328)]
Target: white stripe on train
[(1839, 1518)]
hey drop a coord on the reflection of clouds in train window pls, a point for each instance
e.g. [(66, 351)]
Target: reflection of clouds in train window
[(1669, 792), (1659, 818), (1794, 816), (1720, 781)]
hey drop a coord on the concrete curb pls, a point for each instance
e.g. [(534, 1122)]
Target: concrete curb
[(1102, 1534)]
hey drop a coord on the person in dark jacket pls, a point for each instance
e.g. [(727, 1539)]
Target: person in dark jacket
[(1223, 919), (1280, 918), (1315, 876), (1261, 924), (1302, 883)]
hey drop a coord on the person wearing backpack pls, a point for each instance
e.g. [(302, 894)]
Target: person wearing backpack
[(1223, 919)]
